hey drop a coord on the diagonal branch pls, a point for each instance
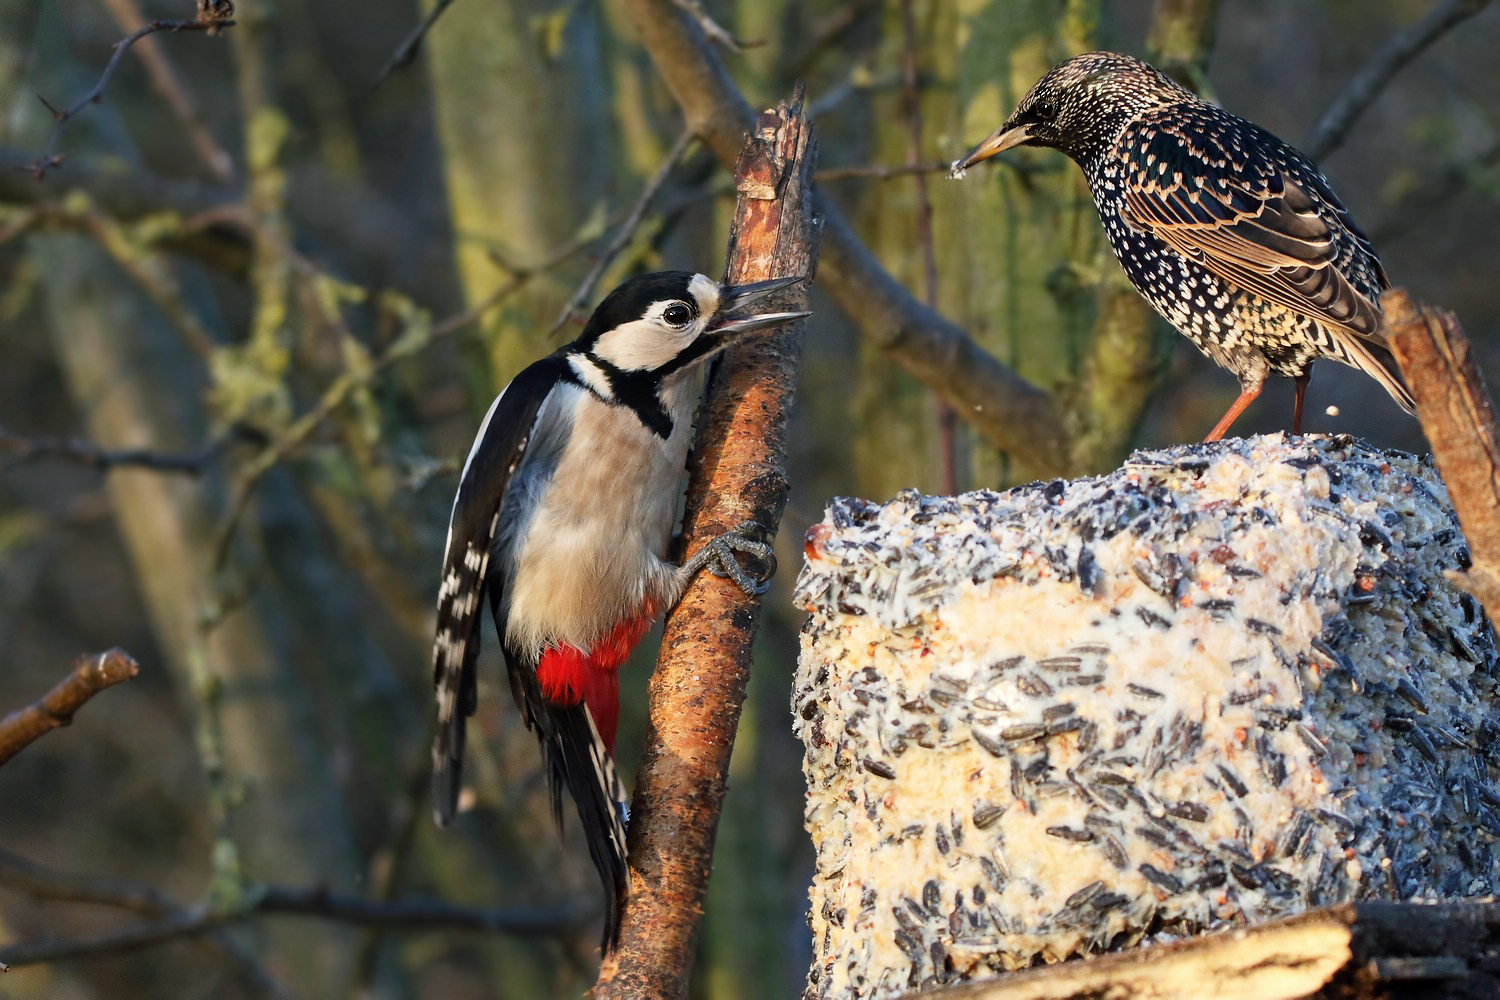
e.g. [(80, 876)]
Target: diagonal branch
[(1389, 60), (1013, 414), (91, 674), (213, 17), (738, 473), (406, 53), (625, 234)]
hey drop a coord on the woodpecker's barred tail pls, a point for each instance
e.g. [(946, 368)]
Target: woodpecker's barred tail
[(578, 760)]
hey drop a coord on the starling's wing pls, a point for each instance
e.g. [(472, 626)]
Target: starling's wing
[(498, 449), (1215, 192), (1252, 210)]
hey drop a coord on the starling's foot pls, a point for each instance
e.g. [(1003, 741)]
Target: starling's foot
[(719, 557)]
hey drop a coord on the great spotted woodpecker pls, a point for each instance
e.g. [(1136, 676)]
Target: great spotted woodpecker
[(563, 516)]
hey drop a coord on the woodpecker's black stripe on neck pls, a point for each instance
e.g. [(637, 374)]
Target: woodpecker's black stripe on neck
[(706, 343), (637, 391)]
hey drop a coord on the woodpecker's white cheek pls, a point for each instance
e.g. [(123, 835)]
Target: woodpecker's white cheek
[(705, 291), (642, 345)]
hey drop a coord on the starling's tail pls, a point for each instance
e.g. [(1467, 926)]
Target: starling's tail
[(1376, 360)]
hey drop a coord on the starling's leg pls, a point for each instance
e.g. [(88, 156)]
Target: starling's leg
[(1300, 382), (1246, 397)]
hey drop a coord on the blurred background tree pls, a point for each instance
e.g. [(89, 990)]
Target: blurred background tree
[(309, 287)]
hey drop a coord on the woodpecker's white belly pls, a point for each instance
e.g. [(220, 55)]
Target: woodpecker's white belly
[(587, 520)]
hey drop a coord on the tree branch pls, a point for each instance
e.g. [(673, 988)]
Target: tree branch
[(91, 674), (213, 17), (1459, 420), (1360, 92), (737, 474), (175, 921), (406, 53), (1009, 411), (91, 456)]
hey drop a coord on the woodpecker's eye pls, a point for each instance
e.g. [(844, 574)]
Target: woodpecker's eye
[(677, 315)]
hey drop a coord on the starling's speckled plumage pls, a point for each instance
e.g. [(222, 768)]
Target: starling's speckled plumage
[(1231, 234)]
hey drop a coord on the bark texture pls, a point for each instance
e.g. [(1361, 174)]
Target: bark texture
[(737, 474), (91, 674), (1459, 420)]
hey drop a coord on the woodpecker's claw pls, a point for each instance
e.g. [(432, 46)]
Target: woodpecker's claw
[(719, 557)]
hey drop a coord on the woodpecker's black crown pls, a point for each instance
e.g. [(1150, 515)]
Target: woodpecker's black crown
[(632, 298)]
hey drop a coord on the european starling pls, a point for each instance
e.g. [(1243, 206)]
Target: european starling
[(1231, 234)]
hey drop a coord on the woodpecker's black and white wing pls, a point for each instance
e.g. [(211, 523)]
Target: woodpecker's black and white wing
[(501, 444)]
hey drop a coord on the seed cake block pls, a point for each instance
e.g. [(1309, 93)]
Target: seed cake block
[(1221, 684)]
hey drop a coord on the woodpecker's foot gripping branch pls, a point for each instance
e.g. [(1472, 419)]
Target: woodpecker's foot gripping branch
[(718, 556)]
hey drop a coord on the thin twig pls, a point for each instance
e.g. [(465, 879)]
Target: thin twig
[(625, 233), (90, 455), (34, 880), (716, 32), (1367, 84), (167, 83), (407, 915), (91, 674), (406, 53), (213, 17)]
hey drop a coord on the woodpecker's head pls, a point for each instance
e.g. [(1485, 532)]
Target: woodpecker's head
[(1080, 106), (653, 329)]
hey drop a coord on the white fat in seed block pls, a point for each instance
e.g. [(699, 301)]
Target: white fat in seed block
[(1222, 684)]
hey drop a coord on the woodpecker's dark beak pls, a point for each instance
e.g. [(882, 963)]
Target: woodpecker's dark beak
[(1003, 138), (731, 318)]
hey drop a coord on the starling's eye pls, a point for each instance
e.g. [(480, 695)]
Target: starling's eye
[(677, 315), (1043, 111)]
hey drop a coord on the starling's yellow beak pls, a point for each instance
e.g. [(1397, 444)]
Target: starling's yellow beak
[(1000, 140)]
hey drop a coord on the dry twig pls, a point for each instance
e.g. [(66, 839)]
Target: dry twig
[(213, 17), (737, 474), (713, 30), (1459, 420), (626, 232), (164, 78), (91, 674), (406, 53)]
